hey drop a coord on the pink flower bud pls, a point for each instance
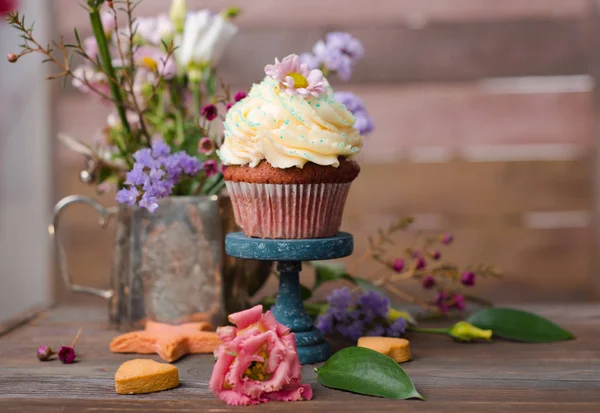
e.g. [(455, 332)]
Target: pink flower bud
[(44, 353), (229, 105), (239, 95), (458, 302), (446, 239), (398, 264), (436, 255), (210, 112), (428, 282), (206, 146), (420, 263), (12, 58), (211, 168), (468, 278)]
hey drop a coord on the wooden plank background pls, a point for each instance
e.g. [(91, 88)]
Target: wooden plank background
[(466, 138)]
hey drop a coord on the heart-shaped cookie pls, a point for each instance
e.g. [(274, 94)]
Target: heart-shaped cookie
[(396, 348), (145, 376)]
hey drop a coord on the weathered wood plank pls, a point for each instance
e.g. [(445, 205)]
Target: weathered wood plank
[(408, 43), (462, 188), (452, 119), (267, 13), (485, 377)]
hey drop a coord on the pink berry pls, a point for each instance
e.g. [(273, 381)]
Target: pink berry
[(398, 264)]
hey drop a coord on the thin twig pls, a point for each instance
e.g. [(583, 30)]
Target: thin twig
[(76, 337)]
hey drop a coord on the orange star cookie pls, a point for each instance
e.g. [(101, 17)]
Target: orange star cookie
[(170, 342)]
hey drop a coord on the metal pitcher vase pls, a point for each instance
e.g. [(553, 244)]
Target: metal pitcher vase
[(169, 266)]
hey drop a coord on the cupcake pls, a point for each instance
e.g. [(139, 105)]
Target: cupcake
[(288, 154)]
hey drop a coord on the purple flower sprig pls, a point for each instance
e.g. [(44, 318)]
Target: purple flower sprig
[(356, 316), (155, 173), (338, 53), (364, 123)]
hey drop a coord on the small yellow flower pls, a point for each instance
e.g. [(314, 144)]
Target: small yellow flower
[(463, 331)]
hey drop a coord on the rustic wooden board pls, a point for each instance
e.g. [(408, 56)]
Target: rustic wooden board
[(407, 43), (454, 118), (485, 377), (267, 13), (482, 203)]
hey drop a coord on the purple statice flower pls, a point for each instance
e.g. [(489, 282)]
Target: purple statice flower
[(376, 331), (356, 330), (310, 60), (325, 323), (338, 53), (353, 317), (155, 173), (373, 305), (127, 196), (397, 328), (340, 301), (364, 123)]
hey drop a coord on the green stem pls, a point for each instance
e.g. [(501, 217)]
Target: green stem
[(105, 61), (196, 100), (216, 187), (429, 330)]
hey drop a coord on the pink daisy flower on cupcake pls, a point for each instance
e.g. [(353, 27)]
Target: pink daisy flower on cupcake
[(296, 78)]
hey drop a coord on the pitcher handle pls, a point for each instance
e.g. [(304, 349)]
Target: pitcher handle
[(63, 265)]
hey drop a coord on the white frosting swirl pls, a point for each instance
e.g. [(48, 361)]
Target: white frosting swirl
[(288, 130)]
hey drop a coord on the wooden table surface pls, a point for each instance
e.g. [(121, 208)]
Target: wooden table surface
[(478, 377)]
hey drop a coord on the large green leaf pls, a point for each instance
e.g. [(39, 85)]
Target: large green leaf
[(328, 271), (519, 325), (364, 371)]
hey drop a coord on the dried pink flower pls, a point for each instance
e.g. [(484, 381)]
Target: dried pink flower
[(211, 168), (446, 239), (468, 278), (66, 354), (398, 265), (428, 281), (44, 353), (239, 95), (210, 112), (296, 78), (206, 146)]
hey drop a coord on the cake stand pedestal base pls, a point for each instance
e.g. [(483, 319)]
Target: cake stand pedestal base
[(289, 308)]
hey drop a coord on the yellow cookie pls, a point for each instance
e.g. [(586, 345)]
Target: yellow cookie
[(396, 348), (145, 376)]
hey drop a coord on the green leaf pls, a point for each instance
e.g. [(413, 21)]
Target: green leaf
[(328, 271), (305, 292), (365, 371), (519, 325)]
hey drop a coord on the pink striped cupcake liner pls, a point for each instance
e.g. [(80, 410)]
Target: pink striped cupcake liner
[(288, 211)]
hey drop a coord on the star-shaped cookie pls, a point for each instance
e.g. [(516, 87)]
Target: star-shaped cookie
[(170, 342)]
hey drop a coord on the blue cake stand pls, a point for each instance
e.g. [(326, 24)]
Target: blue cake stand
[(289, 254)]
